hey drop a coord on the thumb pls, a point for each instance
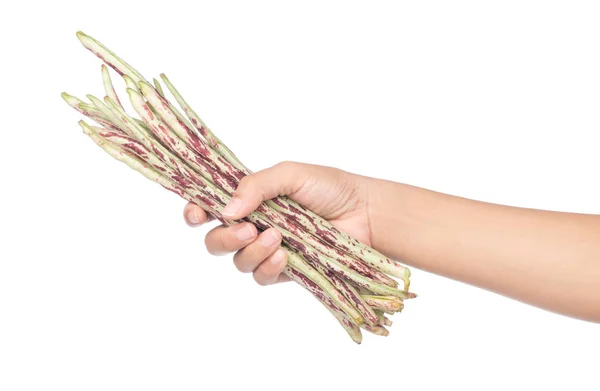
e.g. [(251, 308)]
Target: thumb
[(282, 179)]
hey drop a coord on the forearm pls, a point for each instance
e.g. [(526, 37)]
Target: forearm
[(548, 259)]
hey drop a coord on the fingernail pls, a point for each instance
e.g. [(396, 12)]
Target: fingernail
[(232, 207), (269, 238), (278, 258), (193, 218), (244, 232)]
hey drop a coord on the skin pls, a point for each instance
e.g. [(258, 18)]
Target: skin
[(547, 259)]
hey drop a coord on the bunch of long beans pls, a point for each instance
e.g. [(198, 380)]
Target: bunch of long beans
[(183, 155)]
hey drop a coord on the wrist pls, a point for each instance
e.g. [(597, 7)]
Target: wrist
[(385, 211)]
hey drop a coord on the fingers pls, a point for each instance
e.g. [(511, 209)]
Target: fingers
[(249, 258), (281, 179), (195, 215), (222, 240), (269, 271), (260, 255)]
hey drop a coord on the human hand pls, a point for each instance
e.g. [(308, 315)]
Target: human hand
[(335, 195)]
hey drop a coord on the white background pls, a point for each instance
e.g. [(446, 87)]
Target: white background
[(103, 286)]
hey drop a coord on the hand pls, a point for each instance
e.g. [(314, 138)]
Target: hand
[(336, 195)]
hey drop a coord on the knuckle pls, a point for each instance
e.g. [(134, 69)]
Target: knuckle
[(242, 266), (295, 174), (209, 247), (212, 251), (260, 279), (287, 165), (214, 242)]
